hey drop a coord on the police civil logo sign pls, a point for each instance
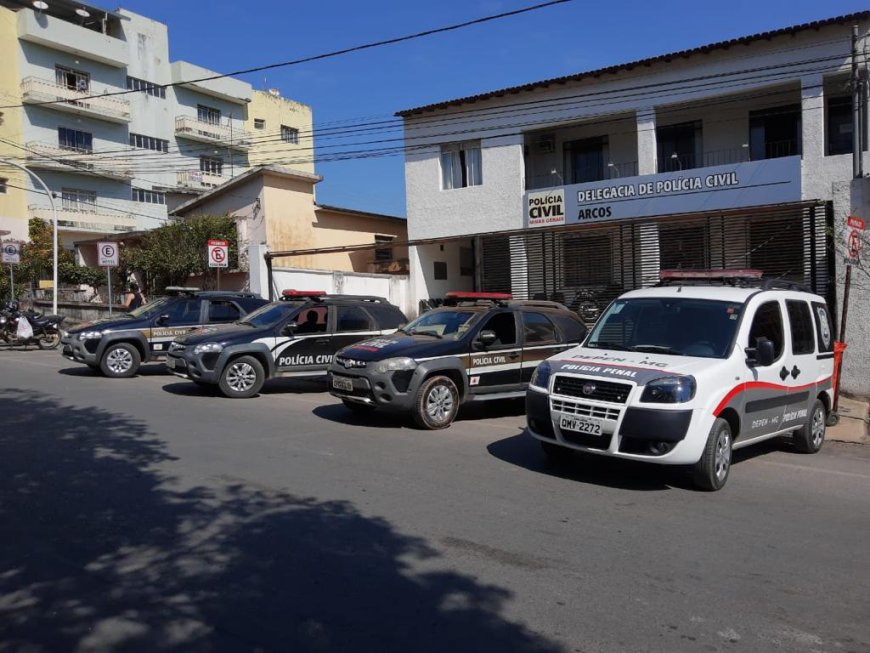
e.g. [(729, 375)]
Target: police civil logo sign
[(11, 253), (547, 208), (218, 253), (107, 253)]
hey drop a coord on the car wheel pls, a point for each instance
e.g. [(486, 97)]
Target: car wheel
[(555, 452), (242, 377), (48, 340), (357, 407), (811, 436), (437, 403), (120, 361), (711, 471)]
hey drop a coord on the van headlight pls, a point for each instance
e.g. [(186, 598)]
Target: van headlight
[(208, 348), (670, 390), (394, 364), (541, 375)]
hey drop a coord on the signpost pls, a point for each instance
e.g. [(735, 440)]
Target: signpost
[(108, 258), (12, 256), (218, 256), (853, 239)]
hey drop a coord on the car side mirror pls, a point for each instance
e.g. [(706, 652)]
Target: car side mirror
[(162, 320), (762, 355), (487, 338), (289, 329)]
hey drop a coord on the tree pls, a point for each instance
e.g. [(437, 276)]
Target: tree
[(168, 255)]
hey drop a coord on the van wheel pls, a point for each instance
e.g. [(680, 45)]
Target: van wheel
[(357, 407), (437, 403), (242, 377), (555, 452), (811, 436), (120, 361), (711, 471)]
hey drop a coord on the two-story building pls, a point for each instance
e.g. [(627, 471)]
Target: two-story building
[(92, 104), (731, 155)]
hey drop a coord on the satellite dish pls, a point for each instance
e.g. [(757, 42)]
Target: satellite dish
[(40, 4), (84, 13)]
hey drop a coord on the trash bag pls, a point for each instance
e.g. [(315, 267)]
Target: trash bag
[(25, 331)]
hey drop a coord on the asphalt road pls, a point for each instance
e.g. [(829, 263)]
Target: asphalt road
[(148, 514)]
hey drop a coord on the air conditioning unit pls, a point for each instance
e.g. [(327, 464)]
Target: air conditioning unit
[(546, 143)]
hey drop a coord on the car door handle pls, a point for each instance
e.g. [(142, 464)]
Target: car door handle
[(783, 373), (795, 372)]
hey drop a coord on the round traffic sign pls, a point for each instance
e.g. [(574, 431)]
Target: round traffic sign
[(108, 250), (218, 254)]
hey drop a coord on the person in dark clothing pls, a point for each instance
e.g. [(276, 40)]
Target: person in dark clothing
[(134, 298)]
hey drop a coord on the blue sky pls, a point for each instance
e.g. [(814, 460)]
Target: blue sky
[(559, 40)]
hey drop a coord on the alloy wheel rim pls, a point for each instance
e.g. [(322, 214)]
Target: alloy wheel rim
[(119, 361), (241, 377), (439, 403), (818, 428), (723, 455)]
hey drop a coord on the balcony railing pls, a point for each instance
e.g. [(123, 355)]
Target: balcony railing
[(199, 179), (609, 170), (89, 162), (35, 90), (84, 220), (200, 130)]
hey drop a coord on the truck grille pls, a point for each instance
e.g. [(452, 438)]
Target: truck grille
[(597, 389), (584, 410)]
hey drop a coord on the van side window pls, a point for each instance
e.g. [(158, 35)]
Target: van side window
[(824, 328), (768, 324), (801, 326)]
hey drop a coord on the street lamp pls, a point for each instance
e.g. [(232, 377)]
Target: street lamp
[(54, 228)]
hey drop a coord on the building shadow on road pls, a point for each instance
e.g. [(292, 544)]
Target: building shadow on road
[(104, 549), (147, 369), (186, 388)]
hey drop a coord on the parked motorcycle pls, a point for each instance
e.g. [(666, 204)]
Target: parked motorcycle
[(46, 328)]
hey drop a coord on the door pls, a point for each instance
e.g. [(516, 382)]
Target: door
[(802, 365), (766, 395), (182, 317), (308, 348), (496, 367), (540, 341)]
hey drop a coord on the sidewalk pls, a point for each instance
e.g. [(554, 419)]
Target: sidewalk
[(854, 422)]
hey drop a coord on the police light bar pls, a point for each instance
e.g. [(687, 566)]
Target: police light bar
[(739, 273), (461, 295), (302, 294)]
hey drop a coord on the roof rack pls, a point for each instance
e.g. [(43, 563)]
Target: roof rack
[(457, 297), (360, 298), (739, 278)]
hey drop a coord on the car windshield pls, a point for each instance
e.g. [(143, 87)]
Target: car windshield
[(270, 314), (450, 324), (150, 308), (668, 325)]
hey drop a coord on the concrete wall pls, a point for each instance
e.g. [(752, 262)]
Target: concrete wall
[(268, 146), (13, 203)]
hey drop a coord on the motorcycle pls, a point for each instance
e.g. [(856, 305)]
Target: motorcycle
[(46, 328)]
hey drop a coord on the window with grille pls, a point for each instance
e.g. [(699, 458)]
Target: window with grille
[(683, 247), (74, 140), (208, 114), (149, 143), (384, 253), (289, 134), (148, 196), (259, 123), (587, 260), (74, 80), (776, 247), (150, 88), (211, 164), (461, 165), (75, 199), (3, 181)]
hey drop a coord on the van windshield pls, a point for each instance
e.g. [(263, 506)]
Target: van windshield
[(668, 325)]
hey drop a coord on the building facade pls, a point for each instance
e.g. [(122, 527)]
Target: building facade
[(115, 161), (732, 155)]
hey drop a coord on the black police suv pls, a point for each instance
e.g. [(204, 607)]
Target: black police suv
[(118, 345), (296, 336), (482, 346)]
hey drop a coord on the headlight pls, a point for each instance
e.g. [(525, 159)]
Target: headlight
[(208, 348), (541, 375), (669, 390), (91, 335), (394, 364)]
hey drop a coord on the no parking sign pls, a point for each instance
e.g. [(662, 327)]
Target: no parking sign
[(11, 253), (218, 253)]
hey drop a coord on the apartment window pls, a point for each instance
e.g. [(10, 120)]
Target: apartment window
[(3, 181), (150, 88), (584, 159), (74, 140), (208, 114), (211, 164), (75, 199), (678, 145), (148, 196), (774, 132), (587, 260), (839, 140), (289, 134), (259, 123), (149, 143), (461, 165), (384, 253), (75, 80)]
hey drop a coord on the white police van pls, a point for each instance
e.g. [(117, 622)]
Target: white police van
[(684, 372)]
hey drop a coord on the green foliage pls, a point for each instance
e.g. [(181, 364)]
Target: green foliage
[(168, 255)]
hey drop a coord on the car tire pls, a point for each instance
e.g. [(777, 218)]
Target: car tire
[(556, 452), (436, 404), (357, 407), (120, 361), (811, 436), (711, 471), (242, 377)]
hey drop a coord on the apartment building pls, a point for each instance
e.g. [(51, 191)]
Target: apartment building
[(117, 162), (732, 155)]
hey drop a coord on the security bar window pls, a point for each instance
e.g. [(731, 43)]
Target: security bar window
[(211, 164), (149, 143), (208, 114), (289, 134), (82, 201), (461, 165), (775, 132), (678, 146), (3, 181), (587, 260), (74, 140), (148, 196), (259, 123), (75, 80), (135, 84)]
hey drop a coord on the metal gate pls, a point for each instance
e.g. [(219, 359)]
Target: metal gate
[(586, 266)]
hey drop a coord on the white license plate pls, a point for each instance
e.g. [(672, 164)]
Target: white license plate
[(342, 383), (580, 424)]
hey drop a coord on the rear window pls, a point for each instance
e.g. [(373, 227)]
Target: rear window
[(824, 328), (573, 330), (386, 317)]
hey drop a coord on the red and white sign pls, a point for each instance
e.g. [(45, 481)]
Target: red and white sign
[(218, 253), (11, 252), (854, 227), (107, 253), (855, 222)]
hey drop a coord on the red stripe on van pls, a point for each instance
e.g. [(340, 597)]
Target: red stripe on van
[(762, 385)]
